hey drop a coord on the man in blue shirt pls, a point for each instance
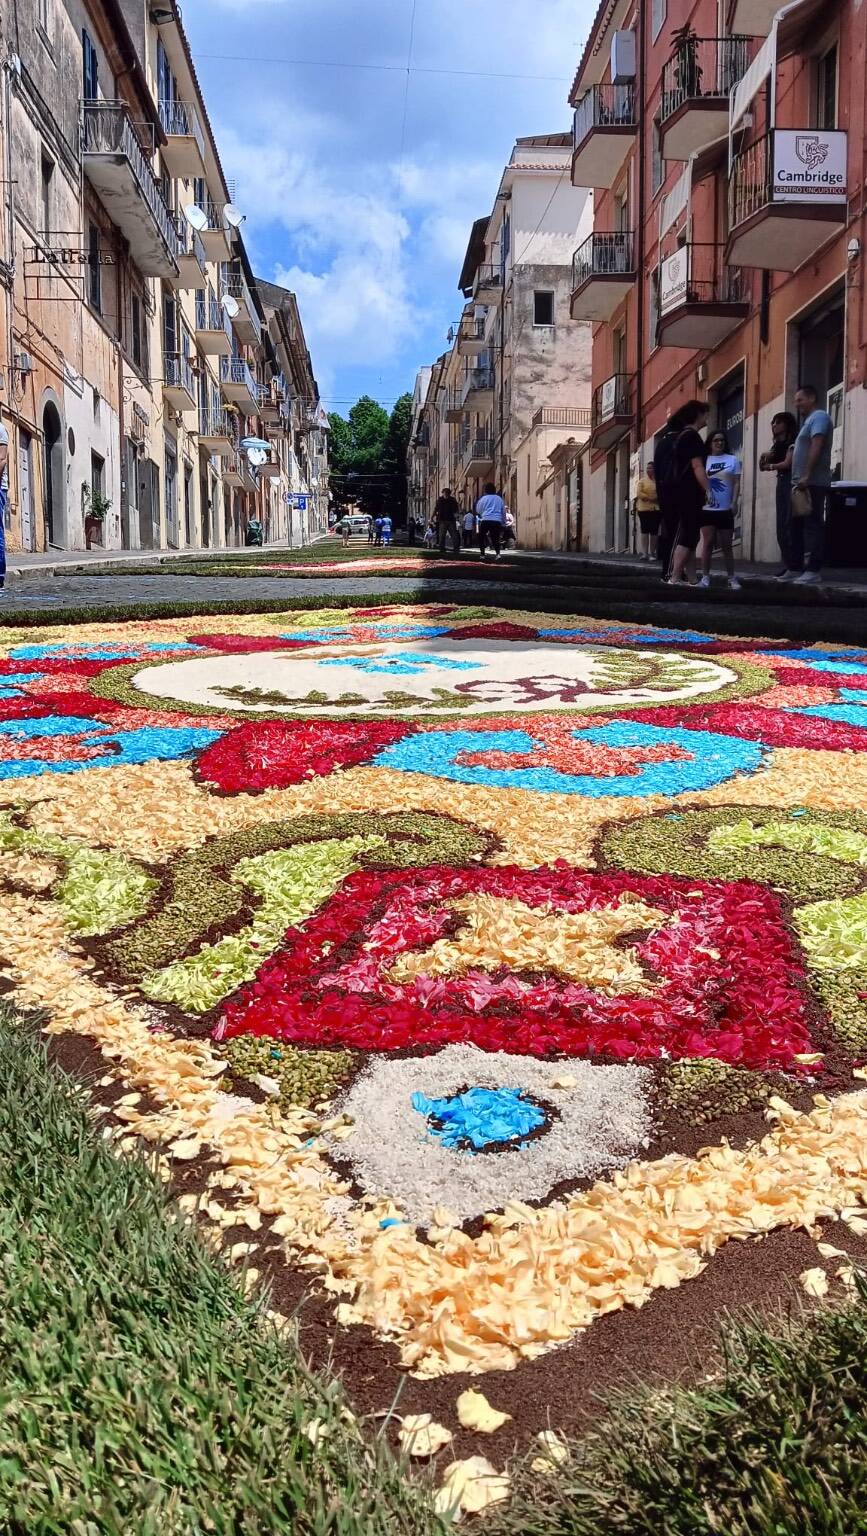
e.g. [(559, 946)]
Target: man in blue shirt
[(491, 513), (811, 473)]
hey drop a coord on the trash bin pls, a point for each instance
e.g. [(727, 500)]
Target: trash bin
[(846, 531)]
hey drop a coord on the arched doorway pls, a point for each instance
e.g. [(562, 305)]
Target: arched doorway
[(53, 476)]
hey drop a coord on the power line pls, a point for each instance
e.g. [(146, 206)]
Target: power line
[(395, 69)]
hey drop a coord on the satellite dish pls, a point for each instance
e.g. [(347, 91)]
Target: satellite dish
[(196, 216), (230, 305), (257, 456), (232, 216)]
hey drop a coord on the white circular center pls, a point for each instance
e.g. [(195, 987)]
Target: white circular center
[(447, 676)]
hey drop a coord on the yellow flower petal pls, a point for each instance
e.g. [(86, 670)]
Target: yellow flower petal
[(475, 1412)]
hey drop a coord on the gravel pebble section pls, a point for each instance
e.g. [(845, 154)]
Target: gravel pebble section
[(602, 1118)]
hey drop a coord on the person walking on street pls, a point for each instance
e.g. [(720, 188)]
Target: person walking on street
[(778, 461), (446, 514), (377, 533), (811, 482), (386, 531), (723, 470), (511, 529), (371, 532), (344, 528), (469, 528), (663, 474), (691, 486), (647, 510), (491, 513)]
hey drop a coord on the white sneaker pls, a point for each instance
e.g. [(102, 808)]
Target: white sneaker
[(809, 579), (787, 576), (734, 584), (497, 555), (705, 582)]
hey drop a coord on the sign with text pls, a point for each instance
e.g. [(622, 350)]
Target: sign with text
[(673, 280), (608, 399), (809, 166)]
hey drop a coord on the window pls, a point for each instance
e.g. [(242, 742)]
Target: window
[(658, 12), (97, 475), (91, 69), (653, 310), (170, 325), (46, 175), (137, 331), (543, 308), (94, 271), (826, 90), (165, 78), (657, 168)]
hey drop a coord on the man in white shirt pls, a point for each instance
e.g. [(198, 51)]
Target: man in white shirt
[(491, 512)]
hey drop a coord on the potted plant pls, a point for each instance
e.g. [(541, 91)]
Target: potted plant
[(96, 506)]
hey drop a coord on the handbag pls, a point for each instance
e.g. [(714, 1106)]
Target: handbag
[(802, 501)]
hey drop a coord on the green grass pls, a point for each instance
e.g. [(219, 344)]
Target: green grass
[(140, 1394)]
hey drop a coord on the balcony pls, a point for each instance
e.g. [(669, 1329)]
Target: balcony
[(216, 431), (604, 127), (563, 416), (216, 236), (239, 386), (118, 169), (612, 414), (179, 381), (696, 81), (488, 286), (273, 406), (787, 197), (453, 407), (183, 154), (753, 17), (478, 390), (471, 336), (701, 298), (603, 272), (213, 328), (477, 456), (192, 261), (248, 326)]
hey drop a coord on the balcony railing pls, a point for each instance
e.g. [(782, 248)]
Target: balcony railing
[(211, 316), (613, 401), (751, 183), (488, 279), (699, 274), (216, 424), (190, 243), (181, 120), (235, 372), (604, 106), (178, 372), (477, 448), (107, 130), (604, 255), (235, 284), (478, 380), (700, 68), (562, 416)]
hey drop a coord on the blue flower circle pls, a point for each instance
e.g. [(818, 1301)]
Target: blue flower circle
[(480, 1117)]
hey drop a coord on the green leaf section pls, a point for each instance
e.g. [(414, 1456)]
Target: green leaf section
[(99, 890), (290, 883)]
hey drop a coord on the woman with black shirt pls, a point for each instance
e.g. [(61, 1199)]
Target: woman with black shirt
[(779, 462), (692, 488)]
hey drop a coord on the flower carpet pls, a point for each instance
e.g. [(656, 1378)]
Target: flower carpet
[(490, 973)]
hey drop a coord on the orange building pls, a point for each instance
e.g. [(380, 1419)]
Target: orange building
[(726, 141)]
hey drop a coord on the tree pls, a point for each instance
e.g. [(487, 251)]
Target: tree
[(368, 456)]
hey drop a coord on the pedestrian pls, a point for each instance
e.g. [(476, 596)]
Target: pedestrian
[(511, 534), (386, 531), (647, 510), (4, 498), (666, 491), (778, 461), (377, 528), (446, 514), (491, 513), (469, 528), (344, 528), (811, 482), (370, 529), (723, 470), (690, 487)]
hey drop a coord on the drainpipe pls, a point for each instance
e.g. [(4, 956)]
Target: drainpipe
[(640, 102)]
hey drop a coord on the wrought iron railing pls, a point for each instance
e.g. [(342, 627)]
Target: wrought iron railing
[(178, 372), (614, 399), (604, 255), (477, 448), (751, 180), (234, 370), (707, 279), (604, 106), (107, 129), (562, 416), (234, 283), (488, 277), (477, 381), (190, 243), (211, 316), (215, 423), (181, 120), (702, 67)]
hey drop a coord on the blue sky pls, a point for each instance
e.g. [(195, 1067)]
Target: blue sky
[(371, 239)]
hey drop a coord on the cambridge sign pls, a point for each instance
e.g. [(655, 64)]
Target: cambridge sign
[(673, 281), (809, 166)]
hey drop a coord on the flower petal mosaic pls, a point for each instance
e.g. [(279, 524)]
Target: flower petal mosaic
[(433, 938)]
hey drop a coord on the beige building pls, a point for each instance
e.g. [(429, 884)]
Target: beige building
[(516, 381), (136, 354)]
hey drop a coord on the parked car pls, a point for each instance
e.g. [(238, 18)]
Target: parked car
[(357, 524)]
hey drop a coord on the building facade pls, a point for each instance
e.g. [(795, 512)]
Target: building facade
[(516, 380), (726, 145), (136, 355)]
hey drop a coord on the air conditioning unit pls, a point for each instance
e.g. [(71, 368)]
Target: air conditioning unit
[(22, 363), (701, 373)]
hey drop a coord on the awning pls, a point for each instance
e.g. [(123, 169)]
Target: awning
[(697, 167), (790, 25)]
